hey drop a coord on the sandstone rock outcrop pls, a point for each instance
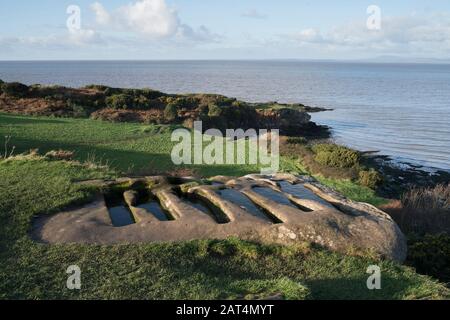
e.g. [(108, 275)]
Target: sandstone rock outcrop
[(282, 209)]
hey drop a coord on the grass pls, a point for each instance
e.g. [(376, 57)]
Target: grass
[(423, 210), (135, 149), (126, 147), (31, 186), (138, 149), (231, 269), (345, 186)]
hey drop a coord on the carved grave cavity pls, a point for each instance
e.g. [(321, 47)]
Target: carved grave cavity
[(281, 209)]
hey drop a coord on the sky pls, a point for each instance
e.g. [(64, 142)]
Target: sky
[(224, 29)]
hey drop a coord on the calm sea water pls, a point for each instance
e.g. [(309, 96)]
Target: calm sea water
[(401, 110)]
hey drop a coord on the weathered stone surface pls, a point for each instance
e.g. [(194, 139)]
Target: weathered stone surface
[(294, 209)]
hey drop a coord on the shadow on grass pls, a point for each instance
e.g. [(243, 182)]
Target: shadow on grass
[(8, 119), (128, 161)]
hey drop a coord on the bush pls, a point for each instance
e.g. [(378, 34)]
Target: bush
[(297, 140), (96, 87), (430, 255), (141, 102), (119, 101), (336, 156), (15, 89), (80, 111), (152, 94), (370, 178), (214, 110), (171, 112)]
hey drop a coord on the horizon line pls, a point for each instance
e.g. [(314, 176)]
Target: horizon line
[(362, 60)]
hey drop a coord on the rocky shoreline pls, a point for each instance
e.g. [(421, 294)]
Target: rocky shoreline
[(401, 177)]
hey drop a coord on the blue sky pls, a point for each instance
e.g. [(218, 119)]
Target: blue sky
[(223, 29)]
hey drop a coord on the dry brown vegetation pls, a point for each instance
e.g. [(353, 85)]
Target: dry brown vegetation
[(423, 210)]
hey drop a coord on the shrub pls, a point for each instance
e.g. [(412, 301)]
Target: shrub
[(15, 89), (80, 111), (171, 112), (119, 101), (370, 178), (141, 102), (214, 110), (430, 255), (152, 94), (335, 156), (96, 87), (182, 102), (297, 140)]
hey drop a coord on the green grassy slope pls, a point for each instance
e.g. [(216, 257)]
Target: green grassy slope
[(130, 148), (190, 270)]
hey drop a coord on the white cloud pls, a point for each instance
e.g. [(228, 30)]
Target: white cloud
[(308, 35), (71, 40), (101, 15), (83, 37), (151, 19), (397, 35), (201, 34)]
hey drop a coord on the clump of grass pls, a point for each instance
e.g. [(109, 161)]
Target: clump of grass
[(279, 289), (424, 210), (60, 155), (435, 199), (94, 162), (8, 152)]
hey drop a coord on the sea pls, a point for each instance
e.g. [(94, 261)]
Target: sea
[(400, 110)]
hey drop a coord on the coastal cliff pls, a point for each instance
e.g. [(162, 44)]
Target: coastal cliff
[(155, 107)]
